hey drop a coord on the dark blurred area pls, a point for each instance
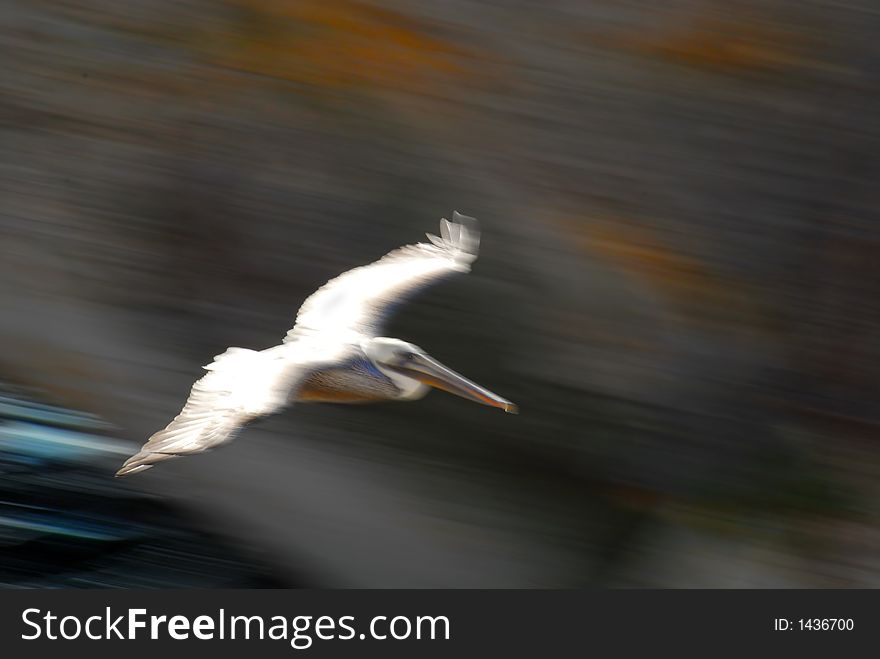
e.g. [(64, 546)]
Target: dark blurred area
[(678, 284)]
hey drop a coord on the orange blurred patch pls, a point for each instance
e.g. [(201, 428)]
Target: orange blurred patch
[(635, 250), (332, 43), (726, 44), (687, 282)]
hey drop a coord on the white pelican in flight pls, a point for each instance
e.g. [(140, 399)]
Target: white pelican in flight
[(334, 353)]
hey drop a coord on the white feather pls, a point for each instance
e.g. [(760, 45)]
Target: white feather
[(240, 385), (358, 302)]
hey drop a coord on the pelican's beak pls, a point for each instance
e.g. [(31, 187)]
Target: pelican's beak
[(431, 372)]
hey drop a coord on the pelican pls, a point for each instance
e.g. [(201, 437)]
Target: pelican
[(335, 353)]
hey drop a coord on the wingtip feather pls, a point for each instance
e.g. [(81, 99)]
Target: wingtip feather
[(133, 465), (462, 234), (141, 462)]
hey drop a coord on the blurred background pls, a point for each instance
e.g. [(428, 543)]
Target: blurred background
[(678, 284)]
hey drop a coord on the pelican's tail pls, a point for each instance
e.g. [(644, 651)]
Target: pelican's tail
[(141, 462)]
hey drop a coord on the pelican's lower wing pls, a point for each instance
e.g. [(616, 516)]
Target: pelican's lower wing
[(240, 385)]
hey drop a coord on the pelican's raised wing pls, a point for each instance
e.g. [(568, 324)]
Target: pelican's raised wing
[(240, 385), (360, 300)]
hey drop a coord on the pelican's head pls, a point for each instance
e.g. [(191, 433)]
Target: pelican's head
[(413, 371)]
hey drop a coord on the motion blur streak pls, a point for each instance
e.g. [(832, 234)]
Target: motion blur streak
[(678, 283)]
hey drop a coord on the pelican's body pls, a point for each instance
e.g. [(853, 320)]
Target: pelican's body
[(356, 381), (333, 353)]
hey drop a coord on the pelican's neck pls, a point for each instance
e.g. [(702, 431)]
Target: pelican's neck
[(408, 388)]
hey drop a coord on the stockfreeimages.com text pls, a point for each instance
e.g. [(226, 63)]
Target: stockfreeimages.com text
[(300, 631)]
